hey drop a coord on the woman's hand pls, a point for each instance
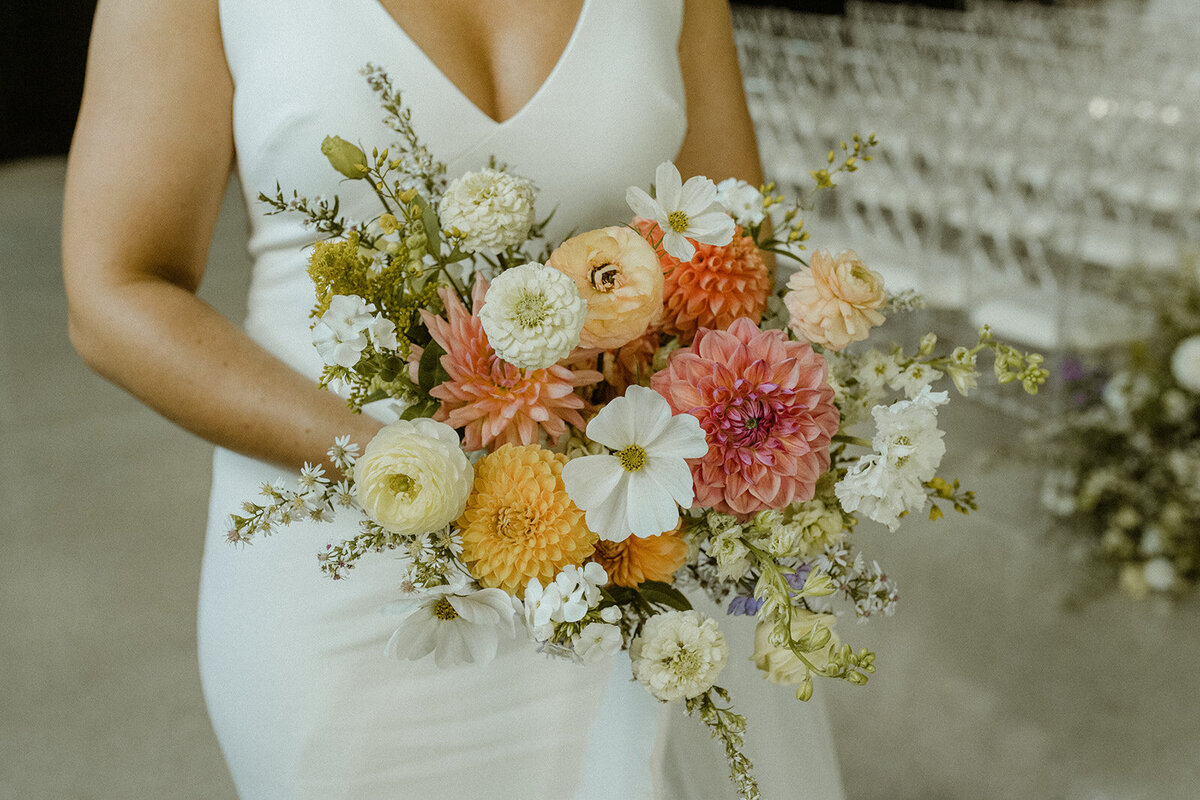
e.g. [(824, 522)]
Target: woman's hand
[(149, 163)]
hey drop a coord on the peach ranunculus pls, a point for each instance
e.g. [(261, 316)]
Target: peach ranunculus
[(617, 272), (835, 301)]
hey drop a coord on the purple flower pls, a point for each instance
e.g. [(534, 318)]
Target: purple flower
[(744, 606), (796, 579)]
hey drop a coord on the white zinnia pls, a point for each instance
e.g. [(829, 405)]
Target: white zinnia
[(635, 490), (413, 477), (679, 654), (532, 315), (683, 211), (456, 628), (491, 209), (1185, 364), (743, 202)]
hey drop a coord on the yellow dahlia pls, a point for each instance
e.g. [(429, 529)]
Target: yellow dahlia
[(519, 522), (642, 558)]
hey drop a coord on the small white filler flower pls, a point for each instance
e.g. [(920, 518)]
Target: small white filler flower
[(492, 210), (456, 628), (532, 315), (679, 654), (683, 211), (743, 202), (635, 489)]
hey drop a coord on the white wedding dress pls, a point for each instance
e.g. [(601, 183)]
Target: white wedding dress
[(304, 702)]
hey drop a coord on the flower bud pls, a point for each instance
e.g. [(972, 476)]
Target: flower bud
[(346, 158)]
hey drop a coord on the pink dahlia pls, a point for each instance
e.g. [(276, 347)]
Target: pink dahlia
[(767, 412), (492, 401)]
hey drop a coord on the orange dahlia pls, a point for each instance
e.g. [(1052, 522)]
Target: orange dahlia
[(719, 284), (492, 401), (642, 558), (519, 522)]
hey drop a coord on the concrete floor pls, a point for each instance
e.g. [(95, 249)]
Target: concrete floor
[(989, 688)]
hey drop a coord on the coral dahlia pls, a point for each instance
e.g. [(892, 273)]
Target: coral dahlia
[(766, 409), (492, 401), (719, 284), (519, 523)]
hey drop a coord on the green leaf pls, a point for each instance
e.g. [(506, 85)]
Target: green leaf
[(426, 408), (663, 594), (430, 372), (429, 221)]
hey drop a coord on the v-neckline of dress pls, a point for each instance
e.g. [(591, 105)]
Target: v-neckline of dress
[(488, 118)]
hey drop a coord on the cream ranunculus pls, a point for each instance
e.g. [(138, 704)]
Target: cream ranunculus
[(780, 664), (835, 301), (618, 274), (414, 477)]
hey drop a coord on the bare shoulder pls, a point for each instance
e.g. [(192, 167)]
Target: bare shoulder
[(720, 139), (153, 143)]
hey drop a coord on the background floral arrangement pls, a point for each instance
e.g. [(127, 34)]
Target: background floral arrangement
[(1123, 462), (586, 427)]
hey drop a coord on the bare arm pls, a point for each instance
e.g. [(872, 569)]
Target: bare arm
[(146, 175), (720, 137)]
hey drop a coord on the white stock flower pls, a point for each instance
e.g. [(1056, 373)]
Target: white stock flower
[(413, 477), (636, 490), (597, 641), (733, 558), (683, 211), (914, 379), (743, 202), (456, 628), (1185, 364), (679, 654), (491, 209), (532, 315), (908, 450)]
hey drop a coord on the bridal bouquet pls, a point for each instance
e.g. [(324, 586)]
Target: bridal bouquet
[(1124, 460), (584, 427)]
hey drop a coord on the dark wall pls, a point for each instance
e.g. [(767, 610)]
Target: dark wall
[(42, 51)]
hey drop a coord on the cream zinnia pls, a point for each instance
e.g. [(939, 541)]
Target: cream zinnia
[(679, 654), (532, 315), (491, 209)]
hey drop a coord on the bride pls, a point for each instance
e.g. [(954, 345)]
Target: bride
[(584, 97)]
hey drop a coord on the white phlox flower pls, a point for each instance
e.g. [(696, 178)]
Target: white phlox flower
[(597, 641), (580, 589), (683, 211), (542, 605), (743, 202), (532, 315), (679, 654), (638, 488), (914, 378), (457, 628), (492, 210), (345, 329)]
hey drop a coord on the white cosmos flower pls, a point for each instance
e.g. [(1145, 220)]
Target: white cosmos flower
[(532, 315), (456, 628), (635, 490), (683, 211)]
